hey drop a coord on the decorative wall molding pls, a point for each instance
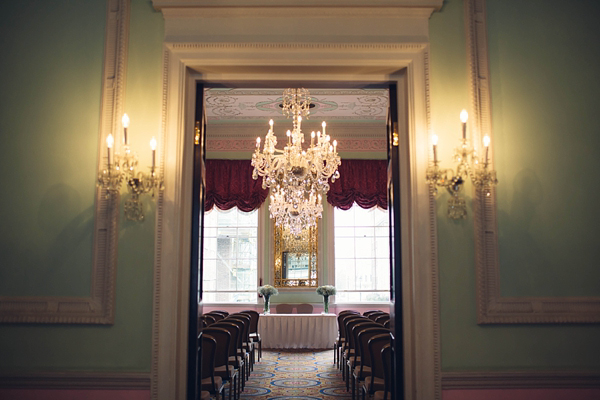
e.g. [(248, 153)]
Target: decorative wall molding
[(492, 308), (520, 379), (76, 380), (99, 308)]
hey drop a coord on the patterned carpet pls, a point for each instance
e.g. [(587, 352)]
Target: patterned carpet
[(296, 375)]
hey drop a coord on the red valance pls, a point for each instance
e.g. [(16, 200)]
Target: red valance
[(363, 182), (229, 184)]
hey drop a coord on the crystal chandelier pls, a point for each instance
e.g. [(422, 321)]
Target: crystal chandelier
[(481, 175), (122, 168), (297, 177)]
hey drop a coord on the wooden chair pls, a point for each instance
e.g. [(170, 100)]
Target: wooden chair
[(342, 342), (247, 346), (388, 380), (348, 349), (284, 308), (208, 319), (222, 368), (374, 315), (234, 360), (367, 313), (217, 316), (240, 353), (338, 341), (352, 359), (382, 318), (223, 313), (304, 308), (208, 380), (375, 381), (363, 367), (254, 335)]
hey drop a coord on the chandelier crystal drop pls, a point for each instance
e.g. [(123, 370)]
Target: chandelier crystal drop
[(297, 177)]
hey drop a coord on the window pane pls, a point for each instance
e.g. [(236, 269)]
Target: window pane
[(361, 255), (230, 256)]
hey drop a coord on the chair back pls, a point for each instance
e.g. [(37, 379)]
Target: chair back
[(304, 308), (240, 324), (216, 316), (246, 320), (376, 344), (386, 324), (363, 344), (367, 313), (223, 313), (207, 356), (284, 308), (374, 315), (382, 318), (389, 387), (349, 330), (223, 339), (254, 316), (355, 330), (234, 332), (343, 320), (208, 319)]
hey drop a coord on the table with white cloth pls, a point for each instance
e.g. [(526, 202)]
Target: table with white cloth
[(297, 331)]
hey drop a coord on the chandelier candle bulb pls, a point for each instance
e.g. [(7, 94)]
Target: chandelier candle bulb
[(464, 116), (125, 121)]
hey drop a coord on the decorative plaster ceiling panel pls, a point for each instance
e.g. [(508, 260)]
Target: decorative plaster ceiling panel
[(260, 105)]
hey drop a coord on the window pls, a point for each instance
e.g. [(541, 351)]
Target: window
[(362, 263), (230, 256)]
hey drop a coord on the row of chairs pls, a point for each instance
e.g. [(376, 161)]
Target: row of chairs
[(228, 347), (363, 352)]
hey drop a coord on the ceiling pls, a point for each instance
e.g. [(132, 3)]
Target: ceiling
[(356, 118), (260, 105)]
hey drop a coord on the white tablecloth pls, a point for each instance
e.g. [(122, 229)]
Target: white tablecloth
[(297, 331)]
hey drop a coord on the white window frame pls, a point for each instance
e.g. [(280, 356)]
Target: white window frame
[(259, 256), (329, 218)]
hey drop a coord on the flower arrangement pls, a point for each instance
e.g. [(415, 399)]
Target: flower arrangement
[(267, 291), (326, 291)]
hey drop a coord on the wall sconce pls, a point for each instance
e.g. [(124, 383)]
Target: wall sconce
[(469, 165), (122, 168)]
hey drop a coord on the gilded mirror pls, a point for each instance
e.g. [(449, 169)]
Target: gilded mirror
[(295, 258)]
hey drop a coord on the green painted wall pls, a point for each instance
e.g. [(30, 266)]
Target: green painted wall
[(542, 61), (50, 80), (544, 90)]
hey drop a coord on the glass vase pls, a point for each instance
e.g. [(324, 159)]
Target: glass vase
[(326, 304), (266, 305)]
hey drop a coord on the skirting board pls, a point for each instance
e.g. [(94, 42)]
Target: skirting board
[(520, 379), (75, 380)]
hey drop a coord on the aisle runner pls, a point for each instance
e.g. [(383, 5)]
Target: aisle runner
[(296, 375)]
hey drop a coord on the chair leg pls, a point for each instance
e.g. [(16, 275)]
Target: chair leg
[(353, 386)]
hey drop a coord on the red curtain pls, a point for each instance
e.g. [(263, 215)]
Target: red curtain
[(229, 184), (363, 182)]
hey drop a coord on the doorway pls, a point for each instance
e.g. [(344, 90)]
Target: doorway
[(406, 68)]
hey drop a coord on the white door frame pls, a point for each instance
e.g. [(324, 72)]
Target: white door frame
[(406, 65)]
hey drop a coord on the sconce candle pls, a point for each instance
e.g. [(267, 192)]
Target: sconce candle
[(110, 141), (153, 147), (434, 140), (464, 116), (486, 144), (125, 121)]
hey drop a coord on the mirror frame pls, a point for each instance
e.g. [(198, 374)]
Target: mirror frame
[(282, 245)]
